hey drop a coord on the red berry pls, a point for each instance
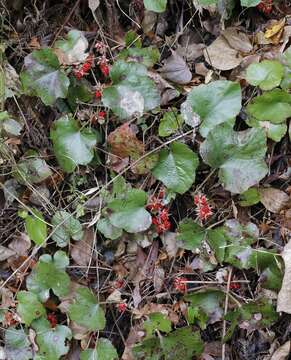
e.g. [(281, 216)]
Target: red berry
[(52, 319), (104, 69), (98, 94), (121, 307), (180, 284), (101, 114)]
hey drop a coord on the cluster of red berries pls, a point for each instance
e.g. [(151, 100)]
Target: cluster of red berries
[(102, 62), (180, 284), (203, 208), (161, 213), (234, 286), (85, 68), (121, 307), (265, 6)]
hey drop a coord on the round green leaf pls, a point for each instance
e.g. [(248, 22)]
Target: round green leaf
[(49, 274), (36, 227), (108, 230), (176, 167), (266, 74), (17, 345), (170, 123), (65, 228), (72, 146), (215, 103), (29, 307), (238, 155), (249, 3), (190, 234), (158, 6), (86, 311), (42, 76), (273, 131), (132, 91), (51, 341), (73, 48), (273, 106), (31, 168), (104, 350), (129, 213)]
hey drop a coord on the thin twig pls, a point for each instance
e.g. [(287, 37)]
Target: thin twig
[(225, 312)]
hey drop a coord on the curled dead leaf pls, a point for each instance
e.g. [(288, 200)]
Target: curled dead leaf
[(283, 352), (284, 296), (221, 55), (81, 251), (273, 199), (176, 69)]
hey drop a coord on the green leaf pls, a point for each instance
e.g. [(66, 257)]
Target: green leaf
[(104, 350), (86, 311), (181, 344), (36, 227), (132, 92), (266, 74), (238, 155), (190, 234), (108, 230), (17, 345), (158, 6), (215, 103), (73, 48), (79, 91), (9, 125), (217, 241), (247, 312), (29, 307), (148, 56), (72, 146), (210, 301), (273, 106), (51, 341), (250, 197), (65, 227), (170, 123), (249, 3), (42, 76), (177, 167), (129, 213), (31, 168), (273, 131), (156, 321), (49, 274), (194, 314)]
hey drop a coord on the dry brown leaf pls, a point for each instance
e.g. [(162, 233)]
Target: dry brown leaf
[(123, 142), (176, 69), (221, 55), (81, 251), (170, 243), (283, 352), (20, 244), (237, 39), (166, 90), (5, 253), (273, 199), (284, 296)]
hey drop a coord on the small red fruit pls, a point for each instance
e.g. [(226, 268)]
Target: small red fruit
[(121, 307), (102, 114), (98, 94), (52, 319), (180, 284)]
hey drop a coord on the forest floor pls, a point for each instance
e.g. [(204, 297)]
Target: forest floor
[(145, 160)]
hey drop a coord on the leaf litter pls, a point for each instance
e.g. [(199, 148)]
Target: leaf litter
[(145, 193)]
